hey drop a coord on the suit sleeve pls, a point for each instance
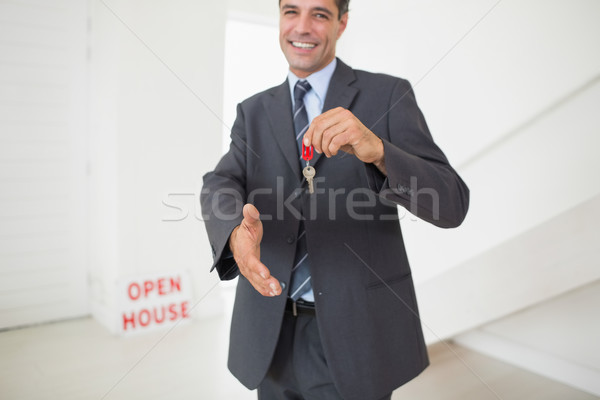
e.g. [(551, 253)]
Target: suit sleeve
[(419, 176), (222, 199)]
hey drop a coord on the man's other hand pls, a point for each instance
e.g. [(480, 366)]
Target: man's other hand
[(339, 129), (244, 243)]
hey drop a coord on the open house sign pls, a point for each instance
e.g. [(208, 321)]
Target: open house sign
[(153, 301)]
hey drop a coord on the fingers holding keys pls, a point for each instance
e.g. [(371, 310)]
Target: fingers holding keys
[(324, 128), (339, 129), (244, 243)]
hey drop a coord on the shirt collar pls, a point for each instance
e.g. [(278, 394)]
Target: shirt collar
[(319, 81)]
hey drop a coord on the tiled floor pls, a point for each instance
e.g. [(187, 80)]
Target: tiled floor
[(80, 360)]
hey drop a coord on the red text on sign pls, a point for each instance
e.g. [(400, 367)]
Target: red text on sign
[(160, 287), (156, 315)]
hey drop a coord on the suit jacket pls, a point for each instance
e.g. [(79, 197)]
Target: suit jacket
[(365, 301)]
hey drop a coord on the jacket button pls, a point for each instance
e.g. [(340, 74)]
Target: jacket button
[(290, 239), (282, 285)]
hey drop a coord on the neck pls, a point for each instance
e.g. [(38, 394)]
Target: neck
[(302, 74)]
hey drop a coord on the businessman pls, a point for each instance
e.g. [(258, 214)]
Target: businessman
[(325, 305)]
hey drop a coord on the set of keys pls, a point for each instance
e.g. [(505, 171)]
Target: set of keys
[(308, 171)]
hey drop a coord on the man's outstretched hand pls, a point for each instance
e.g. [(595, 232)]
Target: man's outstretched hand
[(244, 243)]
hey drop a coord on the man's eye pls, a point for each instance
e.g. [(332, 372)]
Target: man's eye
[(321, 16), (289, 12)]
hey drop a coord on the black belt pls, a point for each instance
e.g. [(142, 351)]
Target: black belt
[(300, 307)]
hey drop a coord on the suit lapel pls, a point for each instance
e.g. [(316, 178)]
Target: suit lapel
[(278, 108), (340, 93)]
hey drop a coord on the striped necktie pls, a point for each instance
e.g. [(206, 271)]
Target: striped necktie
[(300, 282)]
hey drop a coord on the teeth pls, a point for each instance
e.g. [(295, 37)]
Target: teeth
[(303, 45)]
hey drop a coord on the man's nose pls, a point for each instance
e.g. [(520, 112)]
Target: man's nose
[(304, 24)]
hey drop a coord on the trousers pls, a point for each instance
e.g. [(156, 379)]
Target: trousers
[(299, 368)]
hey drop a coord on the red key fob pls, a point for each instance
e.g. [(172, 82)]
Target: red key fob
[(307, 152)]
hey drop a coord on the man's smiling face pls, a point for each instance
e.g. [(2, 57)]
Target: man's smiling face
[(308, 32)]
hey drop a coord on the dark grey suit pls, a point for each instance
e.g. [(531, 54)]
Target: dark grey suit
[(365, 301)]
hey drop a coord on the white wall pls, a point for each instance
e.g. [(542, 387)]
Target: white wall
[(247, 73), (555, 257), (157, 79), (43, 143), (266, 11)]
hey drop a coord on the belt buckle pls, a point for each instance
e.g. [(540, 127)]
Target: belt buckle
[(294, 309)]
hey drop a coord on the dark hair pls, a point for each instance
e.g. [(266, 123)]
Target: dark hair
[(342, 6)]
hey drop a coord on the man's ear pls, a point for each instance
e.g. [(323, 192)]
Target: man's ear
[(343, 24)]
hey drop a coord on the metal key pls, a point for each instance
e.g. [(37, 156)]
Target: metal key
[(309, 173)]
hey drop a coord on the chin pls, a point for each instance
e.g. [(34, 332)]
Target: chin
[(302, 65)]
